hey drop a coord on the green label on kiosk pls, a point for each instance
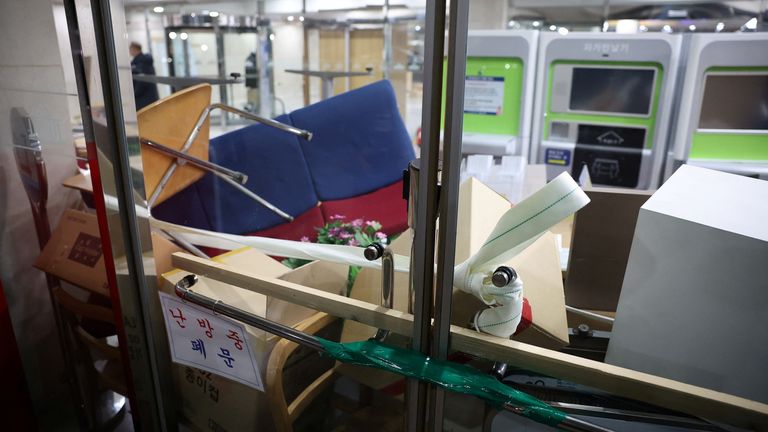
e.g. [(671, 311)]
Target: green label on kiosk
[(492, 95)]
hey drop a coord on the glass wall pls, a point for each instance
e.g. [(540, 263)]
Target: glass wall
[(217, 192)]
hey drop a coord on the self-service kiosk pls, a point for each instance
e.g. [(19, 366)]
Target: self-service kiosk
[(723, 118), (498, 93), (603, 102)]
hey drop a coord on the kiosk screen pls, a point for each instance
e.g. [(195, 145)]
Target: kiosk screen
[(620, 91), (735, 102)]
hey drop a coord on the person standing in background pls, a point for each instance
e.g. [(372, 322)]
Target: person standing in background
[(252, 83), (143, 92)]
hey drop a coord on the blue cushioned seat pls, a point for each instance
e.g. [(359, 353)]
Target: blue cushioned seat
[(186, 208), (359, 143), (276, 171)]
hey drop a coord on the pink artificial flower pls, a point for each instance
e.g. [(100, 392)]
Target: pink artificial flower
[(337, 217), (345, 235), (353, 242), (305, 239), (380, 235), (371, 223), (357, 223)]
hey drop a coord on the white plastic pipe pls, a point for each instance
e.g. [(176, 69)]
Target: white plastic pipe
[(517, 229)]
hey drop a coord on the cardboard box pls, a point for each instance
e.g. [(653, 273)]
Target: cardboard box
[(74, 252), (214, 403), (538, 265), (602, 238), (695, 294)]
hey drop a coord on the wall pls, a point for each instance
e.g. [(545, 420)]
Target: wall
[(488, 14), (287, 49), (31, 76)]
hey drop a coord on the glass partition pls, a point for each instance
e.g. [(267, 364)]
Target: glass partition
[(316, 217)]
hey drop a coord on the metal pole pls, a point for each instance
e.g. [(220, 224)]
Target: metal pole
[(223, 97), (387, 30), (458, 26), (142, 344), (305, 52), (327, 88), (200, 163), (182, 289), (146, 28), (346, 58), (422, 271)]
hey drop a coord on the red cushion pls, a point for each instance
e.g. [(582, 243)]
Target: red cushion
[(385, 205), (303, 225)]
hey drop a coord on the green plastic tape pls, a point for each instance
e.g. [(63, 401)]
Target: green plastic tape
[(448, 375)]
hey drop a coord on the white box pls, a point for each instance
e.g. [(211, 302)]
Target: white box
[(694, 302)]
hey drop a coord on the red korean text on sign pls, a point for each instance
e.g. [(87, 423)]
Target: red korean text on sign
[(207, 325), (178, 317), (236, 337)]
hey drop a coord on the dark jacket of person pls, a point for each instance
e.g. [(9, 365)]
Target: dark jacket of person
[(143, 92)]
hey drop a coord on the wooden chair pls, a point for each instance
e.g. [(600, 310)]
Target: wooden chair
[(285, 413), (109, 372)]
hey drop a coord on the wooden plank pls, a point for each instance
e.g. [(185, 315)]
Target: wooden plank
[(169, 122), (659, 391), (652, 389), (333, 304), (80, 182)]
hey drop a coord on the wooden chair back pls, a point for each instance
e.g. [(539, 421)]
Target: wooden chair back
[(284, 413)]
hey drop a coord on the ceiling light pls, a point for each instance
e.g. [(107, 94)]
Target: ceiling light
[(563, 31), (290, 17), (666, 28), (553, 27), (203, 47), (158, 9), (692, 27), (720, 27), (183, 36), (172, 35), (536, 23), (626, 26), (271, 36), (417, 28), (751, 24), (301, 18), (213, 14)]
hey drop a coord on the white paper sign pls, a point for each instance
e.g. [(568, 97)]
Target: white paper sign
[(483, 95), (201, 339)]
